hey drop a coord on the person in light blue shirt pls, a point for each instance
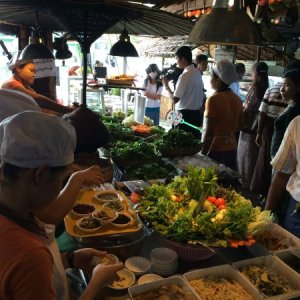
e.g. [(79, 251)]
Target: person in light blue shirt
[(235, 86)]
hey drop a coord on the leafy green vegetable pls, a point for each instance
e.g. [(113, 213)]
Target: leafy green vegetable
[(174, 212), (176, 138)]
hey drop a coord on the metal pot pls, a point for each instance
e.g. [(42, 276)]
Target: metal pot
[(122, 245)]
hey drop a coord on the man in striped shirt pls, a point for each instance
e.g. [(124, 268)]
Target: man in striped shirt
[(287, 176), (271, 107)]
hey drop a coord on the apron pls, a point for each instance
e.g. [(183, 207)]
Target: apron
[(59, 275), (46, 233)]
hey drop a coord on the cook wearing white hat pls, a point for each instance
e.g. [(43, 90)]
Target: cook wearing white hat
[(35, 151), (32, 139), (18, 60), (13, 102), (225, 70), (24, 71)]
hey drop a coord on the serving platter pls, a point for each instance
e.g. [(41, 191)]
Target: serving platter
[(88, 197)]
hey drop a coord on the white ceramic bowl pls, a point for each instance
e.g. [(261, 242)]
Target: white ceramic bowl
[(138, 265), (163, 256), (126, 279), (105, 215), (118, 221), (80, 210), (108, 259), (148, 278), (80, 224)]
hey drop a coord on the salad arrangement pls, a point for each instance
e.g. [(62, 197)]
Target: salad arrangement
[(196, 210)]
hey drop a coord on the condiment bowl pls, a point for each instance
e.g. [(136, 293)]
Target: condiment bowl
[(105, 215), (138, 265), (106, 196), (126, 278), (88, 224), (81, 210), (123, 220), (116, 205), (108, 259)]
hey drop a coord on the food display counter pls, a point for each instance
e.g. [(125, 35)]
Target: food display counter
[(220, 229), (142, 242)]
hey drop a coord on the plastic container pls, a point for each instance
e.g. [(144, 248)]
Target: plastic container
[(276, 265), (154, 285), (225, 271), (283, 237)]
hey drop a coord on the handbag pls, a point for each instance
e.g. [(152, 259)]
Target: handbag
[(249, 121)]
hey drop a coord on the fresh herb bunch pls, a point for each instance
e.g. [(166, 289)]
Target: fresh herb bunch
[(177, 138), (136, 151), (152, 170)]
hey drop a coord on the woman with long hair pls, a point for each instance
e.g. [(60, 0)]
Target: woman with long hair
[(153, 90), (247, 150)]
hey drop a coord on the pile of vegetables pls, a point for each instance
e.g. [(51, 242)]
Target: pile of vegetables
[(135, 152), (194, 209), (177, 138), (129, 121), (151, 170), (118, 132)]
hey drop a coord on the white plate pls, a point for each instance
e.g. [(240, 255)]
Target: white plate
[(127, 279), (138, 265)]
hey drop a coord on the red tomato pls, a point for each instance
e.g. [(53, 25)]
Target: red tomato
[(219, 201), (222, 206), (212, 199), (134, 197)]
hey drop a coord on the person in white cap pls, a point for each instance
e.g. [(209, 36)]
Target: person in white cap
[(221, 116), (13, 102), (32, 172), (23, 71)]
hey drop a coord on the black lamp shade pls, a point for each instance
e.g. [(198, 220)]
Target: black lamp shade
[(123, 47), (229, 26), (36, 51)]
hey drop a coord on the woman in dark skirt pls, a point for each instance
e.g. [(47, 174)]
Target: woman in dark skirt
[(247, 150)]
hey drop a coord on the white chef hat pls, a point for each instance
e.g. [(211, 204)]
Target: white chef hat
[(13, 102), (31, 139), (17, 60), (225, 70)]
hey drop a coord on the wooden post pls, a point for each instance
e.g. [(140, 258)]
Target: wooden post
[(258, 54)]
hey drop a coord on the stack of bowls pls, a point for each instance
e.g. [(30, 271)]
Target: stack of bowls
[(164, 261)]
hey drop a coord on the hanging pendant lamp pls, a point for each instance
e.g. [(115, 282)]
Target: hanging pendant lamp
[(36, 49), (62, 49), (225, 25), (123, 47)]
